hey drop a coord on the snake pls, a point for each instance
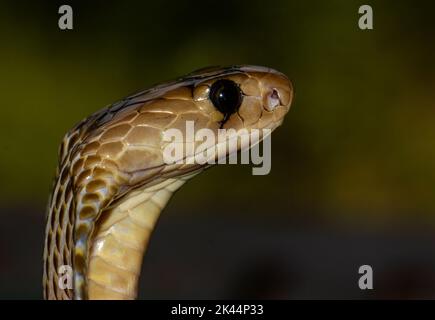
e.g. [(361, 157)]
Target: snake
[(112, 181)]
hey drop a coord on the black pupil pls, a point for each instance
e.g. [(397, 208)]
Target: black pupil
[(226, 96)]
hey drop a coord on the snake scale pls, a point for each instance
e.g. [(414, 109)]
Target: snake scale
[(112, 182)]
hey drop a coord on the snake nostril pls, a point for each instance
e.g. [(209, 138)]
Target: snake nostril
[(272, 100)]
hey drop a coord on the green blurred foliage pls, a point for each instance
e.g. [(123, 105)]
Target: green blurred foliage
[(359, 138)]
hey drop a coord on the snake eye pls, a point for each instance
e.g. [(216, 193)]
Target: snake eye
[(226, 96)]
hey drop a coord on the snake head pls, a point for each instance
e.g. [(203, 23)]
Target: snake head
[(132, 131), (130, 134), (235, 103), (244, 96)]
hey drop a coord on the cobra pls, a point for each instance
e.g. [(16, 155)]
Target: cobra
[(111, 182)]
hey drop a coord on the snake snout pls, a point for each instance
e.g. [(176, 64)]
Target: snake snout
[(277, 96), (273, 99), (277, 91)]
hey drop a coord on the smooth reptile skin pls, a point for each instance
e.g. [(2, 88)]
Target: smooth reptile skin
[(112, 183)]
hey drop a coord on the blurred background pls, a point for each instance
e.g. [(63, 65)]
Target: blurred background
[(353, 166)]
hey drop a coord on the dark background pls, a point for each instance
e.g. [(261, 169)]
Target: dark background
[(353, 166)]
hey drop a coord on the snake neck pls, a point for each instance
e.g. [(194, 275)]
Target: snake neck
[(116, 247), (120, 240)]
